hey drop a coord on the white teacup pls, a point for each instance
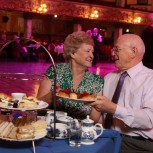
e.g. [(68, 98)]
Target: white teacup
[(50, 116), (61, 130), (17, 96)]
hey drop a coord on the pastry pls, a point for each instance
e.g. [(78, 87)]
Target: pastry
[(28, 104), (24, 136), (4, 100), (3, 104), (87, 96), (63, 94), (5, 132), (26, 129), (68, 94), (40, 127), (73, 95), (5, 97), (3, 126), (30, 98), (25, 132), (13, 132)]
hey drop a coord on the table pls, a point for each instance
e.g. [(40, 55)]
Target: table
[(108, 142)]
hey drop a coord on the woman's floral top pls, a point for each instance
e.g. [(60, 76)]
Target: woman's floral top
[(90, 83)]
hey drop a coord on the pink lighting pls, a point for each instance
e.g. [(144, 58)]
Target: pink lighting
[(98, 70)]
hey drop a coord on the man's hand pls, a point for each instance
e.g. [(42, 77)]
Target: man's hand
[(103, 104)]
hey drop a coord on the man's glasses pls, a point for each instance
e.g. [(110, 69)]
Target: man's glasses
[(115, 49)]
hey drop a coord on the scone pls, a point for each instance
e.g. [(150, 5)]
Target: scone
[(4, 96), (28, 104), (63, 94), (87, 96), (25, 132), (4, 101), (30, 98), (73, 95), (3, 104)]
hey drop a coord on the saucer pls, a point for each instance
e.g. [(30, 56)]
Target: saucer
[(87, 143)]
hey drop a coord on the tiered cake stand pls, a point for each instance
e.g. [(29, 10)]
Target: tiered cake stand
[(45, 104)]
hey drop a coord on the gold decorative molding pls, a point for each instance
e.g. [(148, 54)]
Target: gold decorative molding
[(18, 5), (81, 10)]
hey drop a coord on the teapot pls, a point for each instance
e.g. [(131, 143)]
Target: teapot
[(90, 132)]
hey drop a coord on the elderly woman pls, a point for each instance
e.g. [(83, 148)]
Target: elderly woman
[(74, 75)]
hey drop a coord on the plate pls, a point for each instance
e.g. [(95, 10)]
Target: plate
[(75, 100), (51, 136), (36, 138), (60, 138), (58, 113), (41, 105)]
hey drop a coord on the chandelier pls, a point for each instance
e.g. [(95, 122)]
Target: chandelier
[(40, 6), (94, 14), (91, 13), (137, 20)]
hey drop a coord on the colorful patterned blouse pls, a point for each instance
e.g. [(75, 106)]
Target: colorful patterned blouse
[(90, 83)]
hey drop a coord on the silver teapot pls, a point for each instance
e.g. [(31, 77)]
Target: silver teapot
[(90, 131)]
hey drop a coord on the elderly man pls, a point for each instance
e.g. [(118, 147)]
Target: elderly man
[(132, 111)]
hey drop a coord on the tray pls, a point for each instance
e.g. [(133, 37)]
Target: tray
[(76, 100), (41, 105), (21, 140)]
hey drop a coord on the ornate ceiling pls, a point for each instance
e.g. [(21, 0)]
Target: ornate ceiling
[(81, 10)]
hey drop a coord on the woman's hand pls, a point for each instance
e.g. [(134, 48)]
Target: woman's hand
[(44, 91)]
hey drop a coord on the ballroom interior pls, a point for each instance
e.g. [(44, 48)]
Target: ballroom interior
[(65, 16), (60, 18), (46, 24)]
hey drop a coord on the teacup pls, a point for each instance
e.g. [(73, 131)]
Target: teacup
[(61, 130), (50, 116), (17, 96)]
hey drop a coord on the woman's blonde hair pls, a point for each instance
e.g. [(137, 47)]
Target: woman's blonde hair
[(73, 42)]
